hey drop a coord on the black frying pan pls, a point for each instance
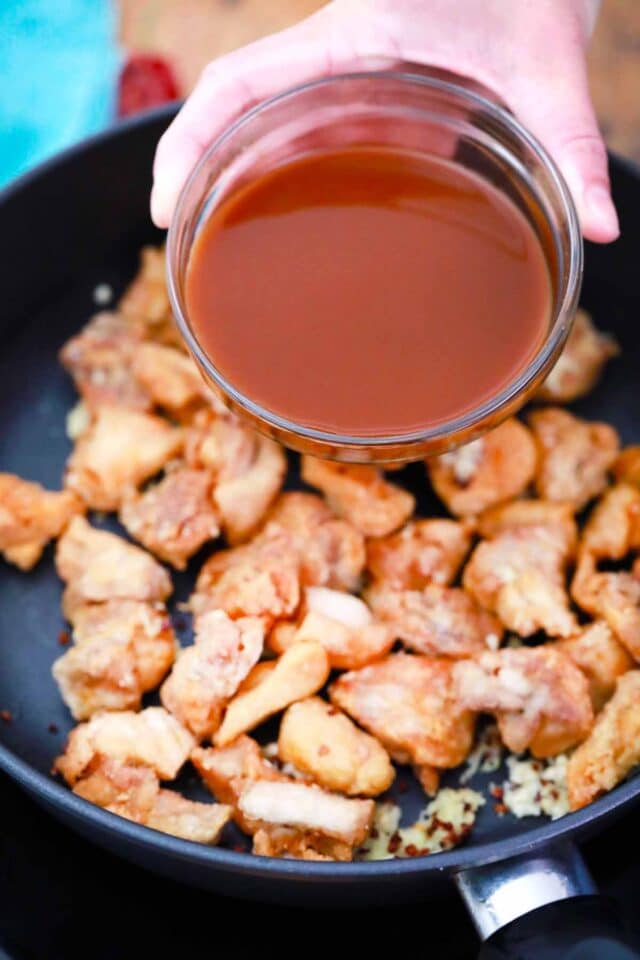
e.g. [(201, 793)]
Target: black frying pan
[(80, 220)]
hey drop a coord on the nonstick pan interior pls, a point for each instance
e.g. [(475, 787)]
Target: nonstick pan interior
[(78, 224)]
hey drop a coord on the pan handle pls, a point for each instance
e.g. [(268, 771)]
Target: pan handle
[(544, 906)]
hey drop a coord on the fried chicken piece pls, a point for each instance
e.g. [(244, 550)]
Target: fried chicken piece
[(580, 364), (425, 551), (168, 376), (199, 822), (207, 674), (100, 358), (119, 451), (539, 697), (127, 789), (260, 579), (428, 777), (331, 551), (408, 703), (613, 747), (575, 456), (626, 468), (436, 620), (121, 650), (520, 576), (309, 809), (248, 469), (146, 299), (298, 673), (521, 514), (98, 565), (243, 500), (612, 595), (227, 771), (152, 738), (324, 743), (613, 527), (271, 841), (497, 467), (30, 516), (342, 624), (173, 518), (360, 495), (601, 658)]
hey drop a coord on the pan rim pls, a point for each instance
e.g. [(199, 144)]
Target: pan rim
[(41, 786)]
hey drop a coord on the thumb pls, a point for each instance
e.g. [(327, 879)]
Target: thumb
[(562, 117), (227, 87)]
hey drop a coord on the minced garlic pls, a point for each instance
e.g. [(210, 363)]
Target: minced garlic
[(445, 822), (536, 787), (486, 755)]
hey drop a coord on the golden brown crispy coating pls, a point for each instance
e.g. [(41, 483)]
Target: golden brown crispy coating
[(436, 620), (408, 703), (520, 576), (168, 376), (248, 469), (530, 513), (128, 790), (612, 595), (227, 771), (497, 467), (332, 552), (360, 495), (146, 299), (244, 499), (173, 518), (425, 551), (260, 579), (152, 738), (270, 841), (613, 527), (199, 822), (97, 565), (298, 673), (122, 649), (538, 695), (613, 747), (575, 456), (580, 363), (100, 358), (428, 777), (207, 674), (118, 452), (322, 742), (30, 516), (341, 623), (307, 808), (601, 658), (626, 469)]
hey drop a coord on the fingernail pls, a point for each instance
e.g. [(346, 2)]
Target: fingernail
[(602, 211)]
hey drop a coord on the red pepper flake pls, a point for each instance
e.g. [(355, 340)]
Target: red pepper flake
[(63, 638), (323, 750), (402, 785), (374, 833), (394, 843), (241, 646), (53, 728), (411, 850), (331, 712), (6, 716), (466, 807), (496, 791), (500, 809), (239, 848)]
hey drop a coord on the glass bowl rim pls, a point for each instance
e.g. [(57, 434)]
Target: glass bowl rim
[(463, 423)]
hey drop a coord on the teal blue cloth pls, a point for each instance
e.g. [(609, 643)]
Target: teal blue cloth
[(58, 72)]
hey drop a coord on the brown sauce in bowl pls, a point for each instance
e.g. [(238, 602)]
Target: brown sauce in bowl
[(368, 291)]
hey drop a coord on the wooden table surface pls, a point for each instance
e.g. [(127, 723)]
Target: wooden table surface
[(192, 32)]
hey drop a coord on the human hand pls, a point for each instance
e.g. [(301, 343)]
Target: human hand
[(531, 53)]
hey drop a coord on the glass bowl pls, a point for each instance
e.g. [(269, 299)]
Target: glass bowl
[(415, 109)]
